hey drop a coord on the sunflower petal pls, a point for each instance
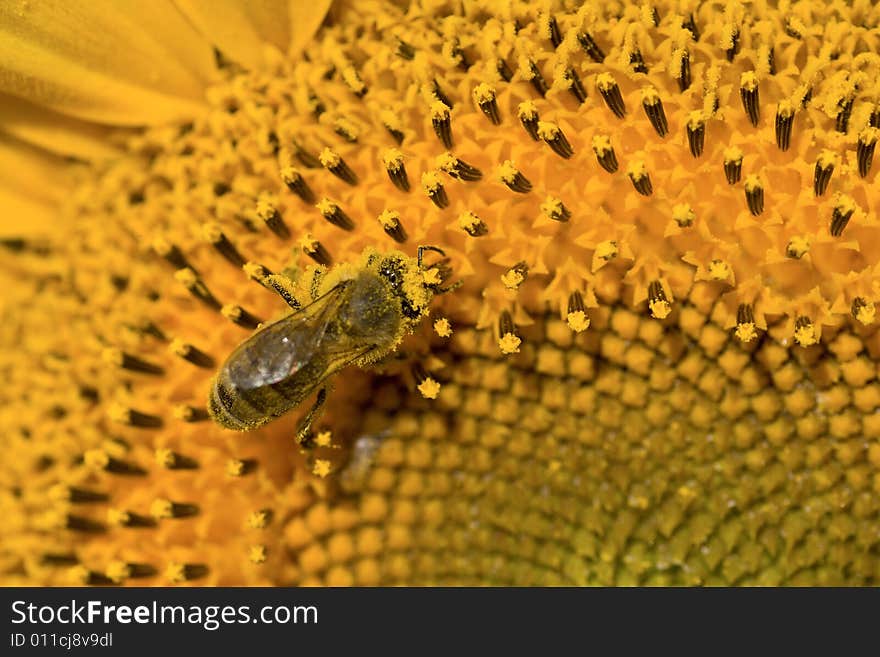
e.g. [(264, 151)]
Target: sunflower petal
[(242, 29), (122, 62)]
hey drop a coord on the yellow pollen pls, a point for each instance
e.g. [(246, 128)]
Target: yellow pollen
[(429, 388), (509, 343), (322, 468), (578, 321), (443, 327)]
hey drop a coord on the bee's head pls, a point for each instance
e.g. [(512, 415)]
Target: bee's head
[(413, 292)]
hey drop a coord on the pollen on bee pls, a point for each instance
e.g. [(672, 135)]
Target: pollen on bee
[(553, 208), (610, 92), (576, 315), (334, 214), (825, 164), (390, 222), (213, 234), (443, 327), (754, 194), (604, 151), (554, 137), (653, 106), (638, 175), (268, 213), (457, 168), (515, 276), (333, 162), (432, 276), (527, 112), (190, 353), (513, 178), (295, 182), (733, 160), (696, 132), (472, 224), (392, 159), (508, 339), (746, 329), (442, 122), (484, 97), (315, 250)]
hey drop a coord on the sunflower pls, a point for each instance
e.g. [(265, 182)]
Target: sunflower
[(660, 367)]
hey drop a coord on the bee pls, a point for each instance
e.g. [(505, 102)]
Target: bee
[(358, 315)]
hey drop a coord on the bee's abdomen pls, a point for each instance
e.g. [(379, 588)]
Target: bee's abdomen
[(230, 409)]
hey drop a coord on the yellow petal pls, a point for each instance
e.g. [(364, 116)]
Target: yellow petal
[(242, 29), (125, 62), (57, 133), (32, 183)]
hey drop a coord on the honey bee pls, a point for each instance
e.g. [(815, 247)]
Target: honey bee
[(358, 315)]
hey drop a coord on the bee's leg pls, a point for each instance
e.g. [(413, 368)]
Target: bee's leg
[(421, 251), (304, 434), (284, 287)]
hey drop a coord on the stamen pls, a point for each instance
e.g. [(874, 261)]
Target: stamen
[(172, 460), (658, 303), (472, 224), (590, 47), (433, 186), (865, 150), (577, 313), (804, 332), (190, 353), (240, 316), (532, 73), (268, 213), (162, 509), (333, 162), (352, 79), (80, 524), (528, 116), (452, 51), (315, 250), (240, 467), (797, 247), (457, 168), (405, 50), (874, 121), (862, 310), (390, 222), (170, 252), (554, 208), (842, 121), (346, 129), (125, 415), (683, 215), (691, 26), (74, 495), (554, 137), (748, 91), (653, 107), (515, 276), (824, 168), (610, 91), (638, 175), (257, 272), (784, 122), (605, 153), (191, 281), (484, 97), (334, 214), (746, 330), (508, 339), (130, 519), (513, 178), (129, 362), (297, 184), (177, 573), (733, 50), (684, 72), (307, 159), (212, 234), (393, 161), (733, 160), (844, 208), (440, 95), (392, 124), (551, 30), (190, 413), (441, 120), (98, 459), (425, 383), (754, 194), (696, 132), (637, 62)]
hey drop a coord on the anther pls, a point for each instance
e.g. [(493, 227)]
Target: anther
[(844, 207), (240, 467), (390, 222), (441, 120), (576, 316), (554, 208), (119, 571), (472, 224), (346, 129), (683, 215), (874, 121), (440, 95), (334, 214), (733, 50), (393, 161), (691, 26), (746, 330), (515, 276), (162, 509), (590, 47), (684, 72), (797, 247), (532, 73), (74, 495), (333, 162), (748, 92), (129, 362), (189, 413), (513, 178), (297, 184), (605, 153), (610, 91), (784, 122), (733, 161), (316, 105), (696, 133), (98, 459), (405, 50), (862, 311), (268, 213), (638, 175), (658, 303), (865, 149), (85, 525), (804, 332), (551, 30), (257, 272), (172, 460), (653, 107), (130, 519), (425, 383), (305, 158), (637, 62), (554, 137), (457, 168), (170, 252), (503, 69), (574, 84), (393, 125), (508, 338), (453, 52), (484, 97), (353, 80), (822, 174), (239, 316), (754, 194), (528, 116), (842, 120), (190, 353), (191, 281), (433, 187), (131, 417), (316, 251), (177, 573), (213, 234)]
